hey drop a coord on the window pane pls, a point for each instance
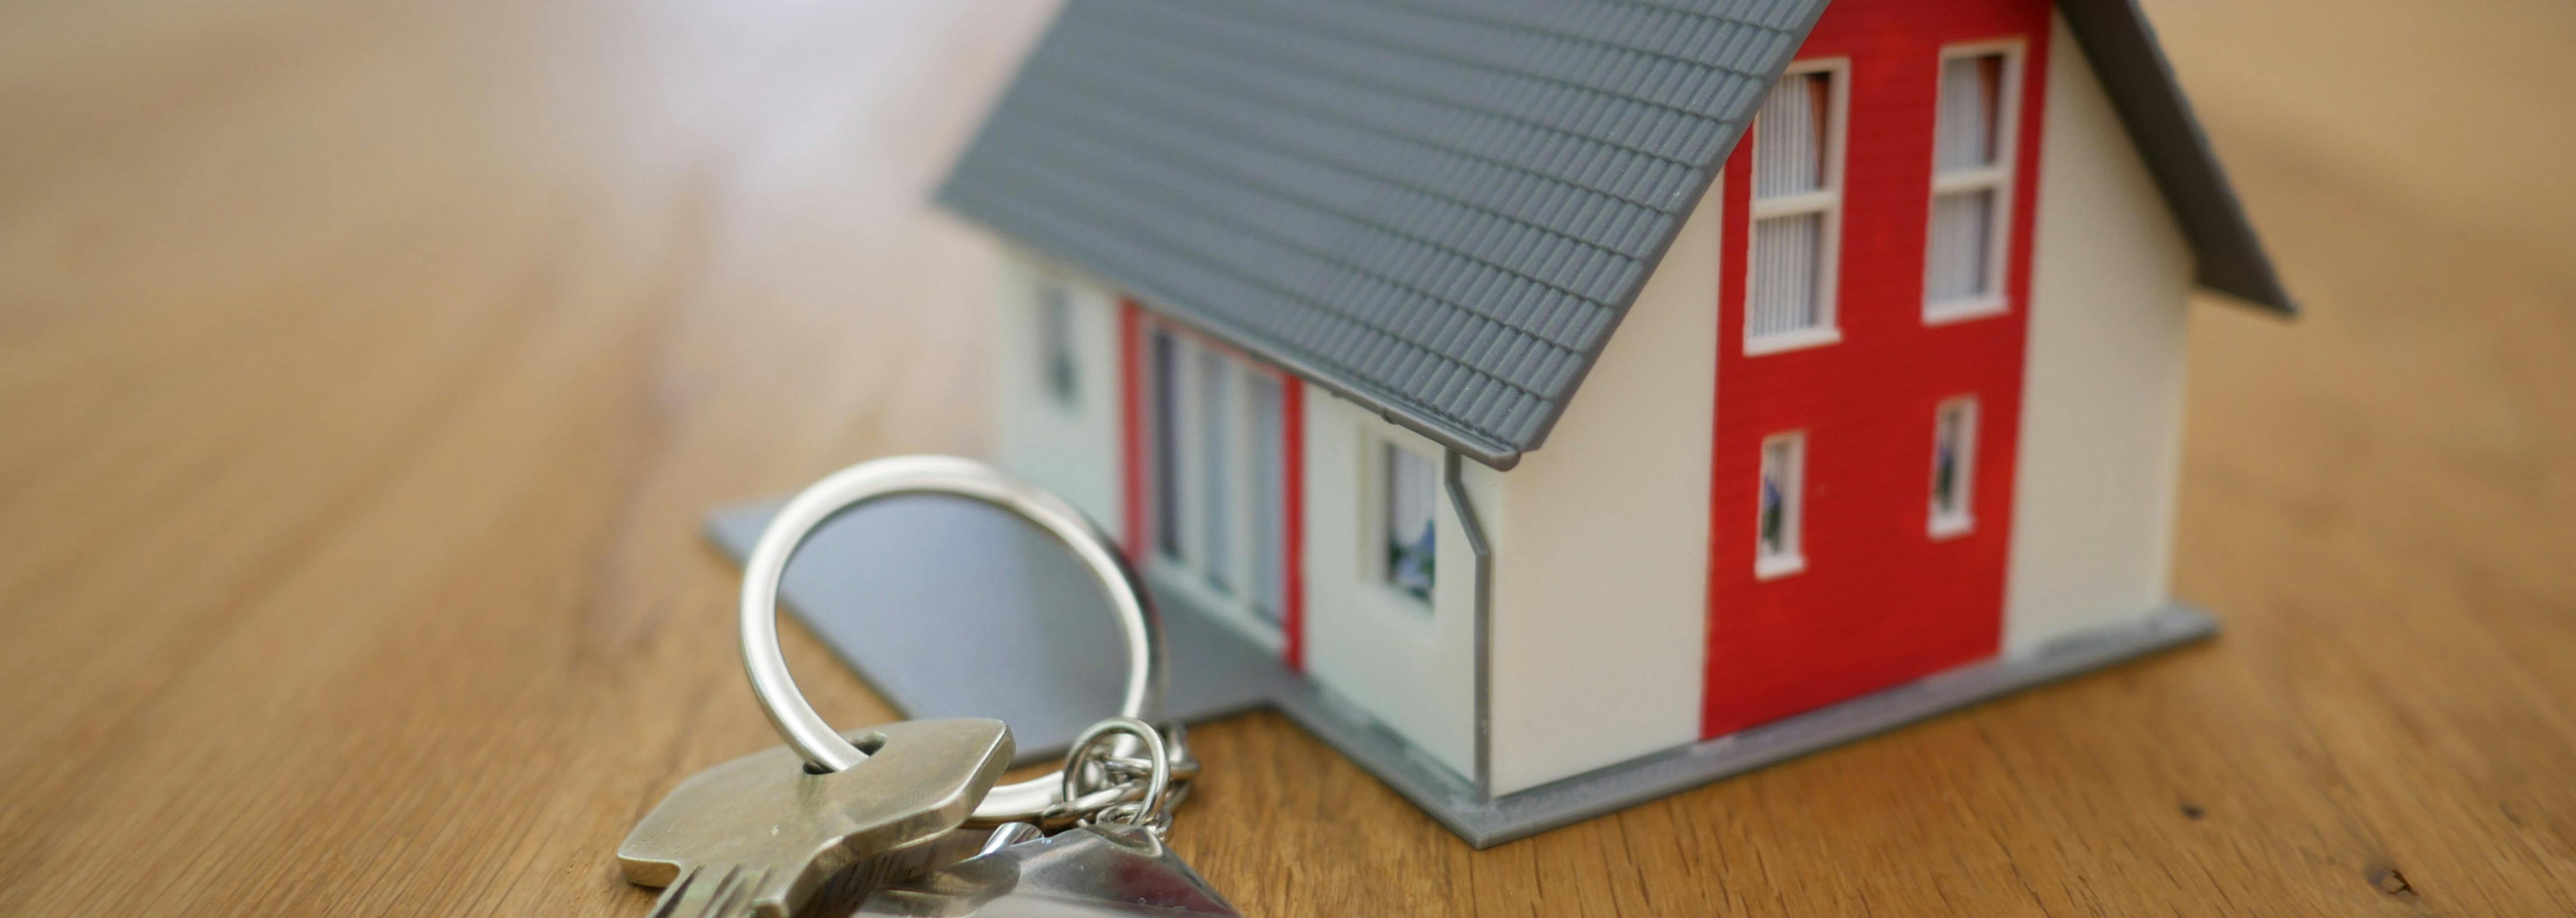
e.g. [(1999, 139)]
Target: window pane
[(1790, 136), (1269, 498), (1410, 487), (1954, 464), (1055, 324), (1958, 258), (1969, 135), (1216, 468), (1167, 451), (1777, 507), (1945, 464), (1786, 276)]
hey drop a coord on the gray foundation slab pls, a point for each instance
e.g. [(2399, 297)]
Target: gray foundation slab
[(950, 608), (1485, 823)]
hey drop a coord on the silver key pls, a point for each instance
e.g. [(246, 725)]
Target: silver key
[(759, 835), (1103, 869)]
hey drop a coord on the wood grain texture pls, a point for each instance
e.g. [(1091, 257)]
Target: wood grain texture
[(364, 369)]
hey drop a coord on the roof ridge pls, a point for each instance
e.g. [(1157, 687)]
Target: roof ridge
[(1452, 60), (1481, 13), (1463, 14), (1447, 147)]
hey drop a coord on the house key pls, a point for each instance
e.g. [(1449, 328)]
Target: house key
[(1114, 863), (760, 834)]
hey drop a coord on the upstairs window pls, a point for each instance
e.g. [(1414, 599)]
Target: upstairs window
[(1797, 210), (1055, 331), (1963, 251), (1954, 466), (1780, 507), (1411, 487)]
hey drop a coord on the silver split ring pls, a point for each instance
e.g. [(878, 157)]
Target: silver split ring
[(1089, 748), (1138, 625)]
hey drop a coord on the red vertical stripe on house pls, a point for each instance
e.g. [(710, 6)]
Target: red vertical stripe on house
[(1880, 602), (1131, 424), (1292, 438)]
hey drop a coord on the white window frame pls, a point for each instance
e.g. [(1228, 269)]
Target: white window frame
[(1376, 504), (1997, 177), (1768, 564), (1962, 520), (1187, 571), (1827, 200)]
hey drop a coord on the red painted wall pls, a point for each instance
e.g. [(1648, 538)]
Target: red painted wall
[(1880, 602), (1136, 468)]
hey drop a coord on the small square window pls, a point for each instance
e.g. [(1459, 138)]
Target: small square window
[(1411, 487), (1779, 507), (1954, 466)]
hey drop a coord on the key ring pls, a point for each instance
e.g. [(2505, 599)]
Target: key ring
[(1139, 625)]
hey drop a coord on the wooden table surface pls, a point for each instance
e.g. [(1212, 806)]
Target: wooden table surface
[(365, 368)]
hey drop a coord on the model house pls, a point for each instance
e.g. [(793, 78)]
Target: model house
[(1565, 385)]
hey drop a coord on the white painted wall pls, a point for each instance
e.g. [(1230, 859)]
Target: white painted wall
[(2101, 426), (1070, 449), (1600, 608), (1411, 668)]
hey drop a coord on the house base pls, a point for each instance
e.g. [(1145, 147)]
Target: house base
[(909, 590)]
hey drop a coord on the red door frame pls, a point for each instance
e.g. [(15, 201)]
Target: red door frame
[(1135, 439), (1881, 602)]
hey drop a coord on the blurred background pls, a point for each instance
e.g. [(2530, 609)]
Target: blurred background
[(366, 368)]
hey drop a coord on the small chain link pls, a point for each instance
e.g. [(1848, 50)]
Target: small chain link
[(1115, 786)]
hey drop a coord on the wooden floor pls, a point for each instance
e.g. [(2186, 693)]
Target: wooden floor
[(365, 367)]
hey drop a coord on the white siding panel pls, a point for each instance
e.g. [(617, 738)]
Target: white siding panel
[(1367, 641), (1066, 446), (1600, 607), (2102, 405)]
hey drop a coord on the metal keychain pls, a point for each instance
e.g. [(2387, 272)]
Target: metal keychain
[(1038, 800), (763, 835), (1085, 840)]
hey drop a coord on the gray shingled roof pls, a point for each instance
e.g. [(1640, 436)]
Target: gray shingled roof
[(1439, 208)]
